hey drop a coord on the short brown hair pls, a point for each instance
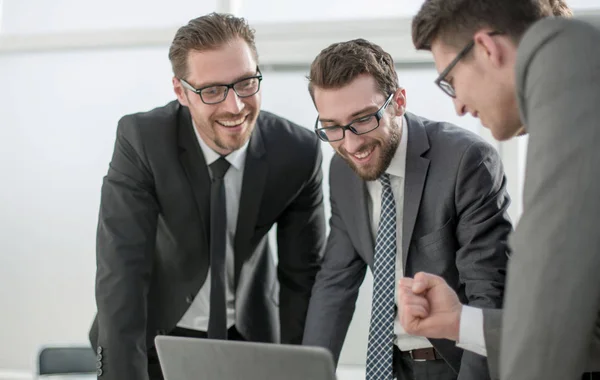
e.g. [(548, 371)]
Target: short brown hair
[(456, 21), (340, 63), (560, 9), (207, 33)]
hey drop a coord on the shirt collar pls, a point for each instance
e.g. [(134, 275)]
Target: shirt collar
[(397, 166), (237, 158)]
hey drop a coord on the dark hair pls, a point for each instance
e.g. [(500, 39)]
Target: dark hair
[(456, 21), (207, 33), (340, 63)]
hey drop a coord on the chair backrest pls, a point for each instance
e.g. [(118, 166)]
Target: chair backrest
[(66, 360)]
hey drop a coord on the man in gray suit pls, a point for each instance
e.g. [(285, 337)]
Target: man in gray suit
[(407, 194), (521, 72), (191, 192)]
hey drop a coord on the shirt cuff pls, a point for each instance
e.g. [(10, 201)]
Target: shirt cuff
[(470, 336)]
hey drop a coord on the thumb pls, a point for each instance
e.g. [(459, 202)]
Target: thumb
[(424, 281)]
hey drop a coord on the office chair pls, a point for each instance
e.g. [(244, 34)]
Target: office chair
[(66, 361)]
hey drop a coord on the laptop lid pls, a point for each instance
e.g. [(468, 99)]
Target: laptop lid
[(192, 359)]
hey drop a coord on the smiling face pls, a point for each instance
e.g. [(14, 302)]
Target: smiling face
[(368, 154), (484, 82), (225, 126)]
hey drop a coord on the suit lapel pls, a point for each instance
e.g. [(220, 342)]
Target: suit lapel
[(361, 219), (253, 185), (194, 164), (416, 172)]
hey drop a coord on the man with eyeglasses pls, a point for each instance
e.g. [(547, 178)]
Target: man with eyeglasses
[(407, 194), (192, 190), (523, 72)]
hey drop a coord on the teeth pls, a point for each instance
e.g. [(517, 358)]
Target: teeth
[(363, 154), (231, 123)]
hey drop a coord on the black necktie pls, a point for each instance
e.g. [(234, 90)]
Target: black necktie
[(217, 322)]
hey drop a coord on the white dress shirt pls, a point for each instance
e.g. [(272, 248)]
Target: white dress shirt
[(396, 170), (470, 336), (196, 317)]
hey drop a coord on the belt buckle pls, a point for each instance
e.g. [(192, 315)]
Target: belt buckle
[(413, 358)]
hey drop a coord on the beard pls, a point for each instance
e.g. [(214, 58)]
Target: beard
[(231, 142), (223, 140), (387, 150)]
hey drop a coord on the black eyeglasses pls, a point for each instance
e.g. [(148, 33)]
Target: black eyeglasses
[(441, 81), (360, 126), (216, 93)]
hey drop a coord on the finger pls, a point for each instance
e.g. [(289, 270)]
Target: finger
[(407, 299), (405, 282), (417, 311), (405, 292), (434, 326), (416, 307), (425, 281), (418, 326), (411, 324), (412, 316)]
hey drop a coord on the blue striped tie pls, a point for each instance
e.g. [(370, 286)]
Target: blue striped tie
[(381, 332)]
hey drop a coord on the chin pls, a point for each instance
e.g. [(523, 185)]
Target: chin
[(367, 172), (503, 133), (235, 143)]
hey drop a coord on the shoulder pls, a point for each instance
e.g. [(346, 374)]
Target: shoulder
[(276, 127), (553, 29), (553, 32), (157, 120), (448, 139), (283, 135), (553, 53), (454, 150)]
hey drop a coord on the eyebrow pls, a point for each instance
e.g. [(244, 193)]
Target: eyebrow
[(354, 115), (244, 76)]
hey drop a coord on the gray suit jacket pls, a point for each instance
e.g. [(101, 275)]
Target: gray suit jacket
[(152, 246), (455, 225), (551, 320)]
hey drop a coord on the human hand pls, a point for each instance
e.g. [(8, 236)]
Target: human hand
[(428, 307)]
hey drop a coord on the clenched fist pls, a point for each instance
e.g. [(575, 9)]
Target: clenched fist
[(428, 307)]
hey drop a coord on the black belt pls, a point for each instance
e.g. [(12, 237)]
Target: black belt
[(422, 354)]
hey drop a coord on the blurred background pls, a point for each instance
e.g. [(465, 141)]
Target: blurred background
[(69, 69)]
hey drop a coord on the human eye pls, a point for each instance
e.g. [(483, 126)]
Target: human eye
[(215, 90), (364, 120)]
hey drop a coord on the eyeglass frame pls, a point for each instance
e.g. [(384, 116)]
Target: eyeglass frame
[(441, 79), (198, 91), (378, 115)]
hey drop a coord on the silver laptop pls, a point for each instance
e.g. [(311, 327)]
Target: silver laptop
[(206, 359)]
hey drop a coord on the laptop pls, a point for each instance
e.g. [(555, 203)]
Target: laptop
[(193, 359)]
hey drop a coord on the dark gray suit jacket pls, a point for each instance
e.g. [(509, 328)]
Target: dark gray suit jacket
[(552, 308), (152, 243), (455, 224)]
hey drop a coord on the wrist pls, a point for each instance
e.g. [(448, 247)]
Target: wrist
[(454, 332)]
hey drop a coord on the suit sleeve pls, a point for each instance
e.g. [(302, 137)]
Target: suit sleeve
[(336, 289), (482, 230), (300, 240), (125, 242), (492, 329), (553, 292)]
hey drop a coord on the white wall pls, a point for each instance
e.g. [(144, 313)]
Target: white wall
[(57, 125), (40, 16)]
